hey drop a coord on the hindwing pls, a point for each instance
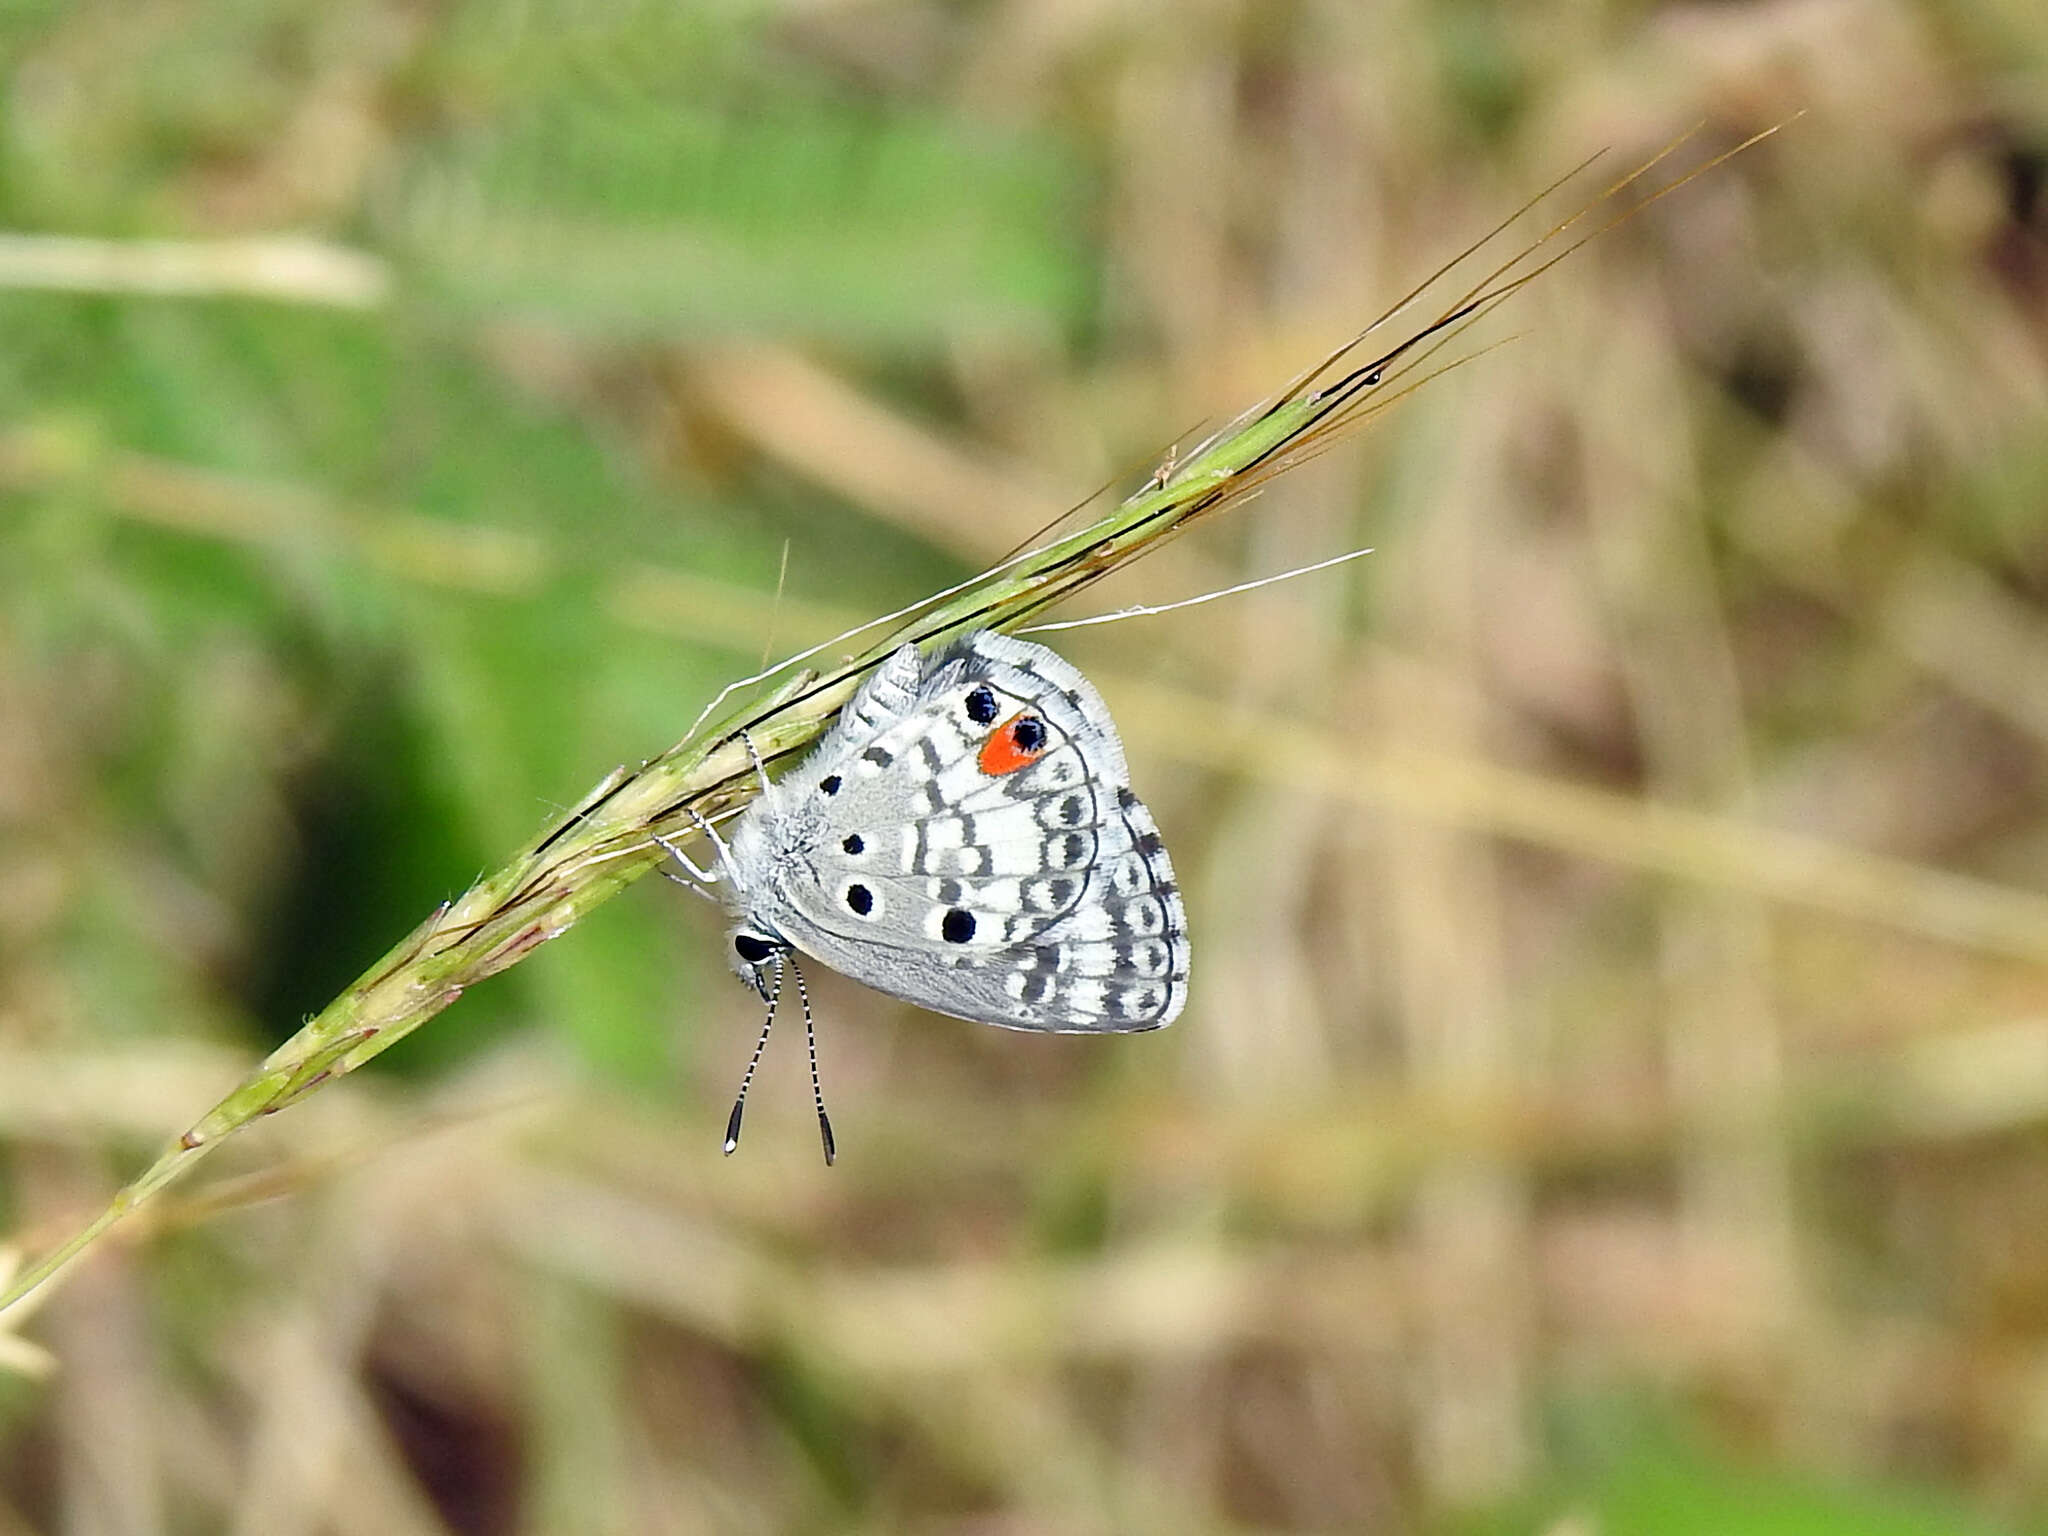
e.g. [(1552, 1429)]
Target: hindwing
[(980, 851)]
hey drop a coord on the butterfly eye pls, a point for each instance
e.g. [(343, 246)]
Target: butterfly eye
[(981, 705), (751, 949)]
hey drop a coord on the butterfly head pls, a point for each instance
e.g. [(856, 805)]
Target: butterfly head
[(754, 954)]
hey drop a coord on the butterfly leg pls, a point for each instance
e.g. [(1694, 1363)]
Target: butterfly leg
[(698, 876), (760, 768), (702, 876)]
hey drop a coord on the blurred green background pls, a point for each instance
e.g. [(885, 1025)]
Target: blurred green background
[(1614, 1096)]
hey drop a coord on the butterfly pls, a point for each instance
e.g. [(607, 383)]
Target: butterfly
[(965, 838)]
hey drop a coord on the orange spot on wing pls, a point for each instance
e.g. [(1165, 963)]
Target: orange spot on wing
[(1002, 753)]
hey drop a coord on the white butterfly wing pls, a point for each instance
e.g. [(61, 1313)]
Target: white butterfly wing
[(958, 871)]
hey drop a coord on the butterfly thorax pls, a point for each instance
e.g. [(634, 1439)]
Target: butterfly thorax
[(766, 850)]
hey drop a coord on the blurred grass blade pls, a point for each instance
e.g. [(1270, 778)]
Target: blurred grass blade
[(288, 268)]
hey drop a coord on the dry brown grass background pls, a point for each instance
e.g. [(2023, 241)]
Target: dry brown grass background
[(1613, 1093)]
